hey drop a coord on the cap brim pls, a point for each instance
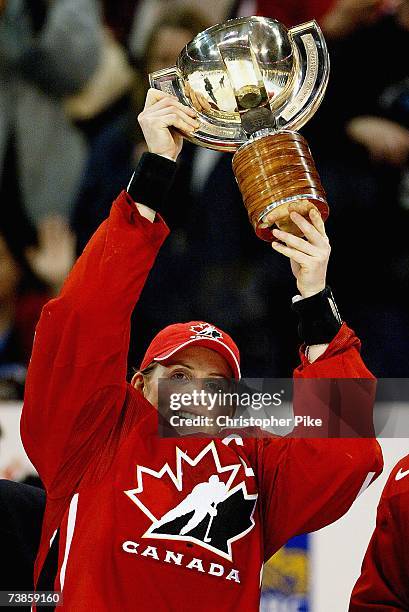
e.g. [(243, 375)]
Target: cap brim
[(211, 343)]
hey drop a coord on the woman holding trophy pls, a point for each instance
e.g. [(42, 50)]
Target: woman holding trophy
[(183, 523)]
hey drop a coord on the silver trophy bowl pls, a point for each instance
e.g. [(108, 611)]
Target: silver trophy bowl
[(245, 64)]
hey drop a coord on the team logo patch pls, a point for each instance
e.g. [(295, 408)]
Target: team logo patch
[(201, 502), (204, 330)]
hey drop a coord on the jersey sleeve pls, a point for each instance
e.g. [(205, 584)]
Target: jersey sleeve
[(308, 482), (342, 359), (76, 382), (383, 583)]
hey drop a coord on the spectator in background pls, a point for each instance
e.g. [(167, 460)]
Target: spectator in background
[(49, 49), (360, 141), (337, 18), (106, 98), (343, 17), (32, 269), (149, 12), (117, 148), (22, 296)]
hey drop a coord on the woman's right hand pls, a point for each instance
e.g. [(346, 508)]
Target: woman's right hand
[(161, 113)]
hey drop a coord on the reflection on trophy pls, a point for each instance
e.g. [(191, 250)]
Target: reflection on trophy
[(253, 83)]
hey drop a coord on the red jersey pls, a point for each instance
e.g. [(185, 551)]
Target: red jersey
[(384, 581), (138, 530)]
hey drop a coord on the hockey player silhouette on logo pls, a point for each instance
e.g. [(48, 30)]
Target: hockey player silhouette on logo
[(202, 500)]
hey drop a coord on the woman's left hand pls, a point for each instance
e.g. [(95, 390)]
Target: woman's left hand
[(309, 257)]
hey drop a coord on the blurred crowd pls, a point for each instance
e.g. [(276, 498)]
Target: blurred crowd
[(73, 77)]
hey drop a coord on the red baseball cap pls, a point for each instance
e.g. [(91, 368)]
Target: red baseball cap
[(176, 337)]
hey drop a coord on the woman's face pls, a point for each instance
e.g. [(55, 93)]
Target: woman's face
[(166, 46), (9, 273), (192, 368)]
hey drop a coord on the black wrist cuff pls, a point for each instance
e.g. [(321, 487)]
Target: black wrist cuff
[(152, 180), (319, 319)]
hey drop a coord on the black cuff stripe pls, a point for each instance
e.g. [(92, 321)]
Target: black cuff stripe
[(152, 181), (319, 319)]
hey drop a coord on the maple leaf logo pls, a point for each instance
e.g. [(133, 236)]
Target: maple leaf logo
[(205, 330), (201, 502)]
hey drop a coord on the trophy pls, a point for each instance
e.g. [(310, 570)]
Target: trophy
[(254, 83)]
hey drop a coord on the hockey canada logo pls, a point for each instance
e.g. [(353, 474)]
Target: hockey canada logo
[(201, 502), (204, 330)]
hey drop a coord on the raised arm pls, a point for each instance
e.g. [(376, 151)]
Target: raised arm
[(76, 381), (319, 471)]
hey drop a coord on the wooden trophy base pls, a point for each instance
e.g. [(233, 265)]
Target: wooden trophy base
[(276, 175)]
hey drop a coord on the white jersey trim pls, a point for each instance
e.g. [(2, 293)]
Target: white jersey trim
[(72, 516)]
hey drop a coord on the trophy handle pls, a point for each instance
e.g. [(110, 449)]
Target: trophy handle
[(167, 80), (313, 69)]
